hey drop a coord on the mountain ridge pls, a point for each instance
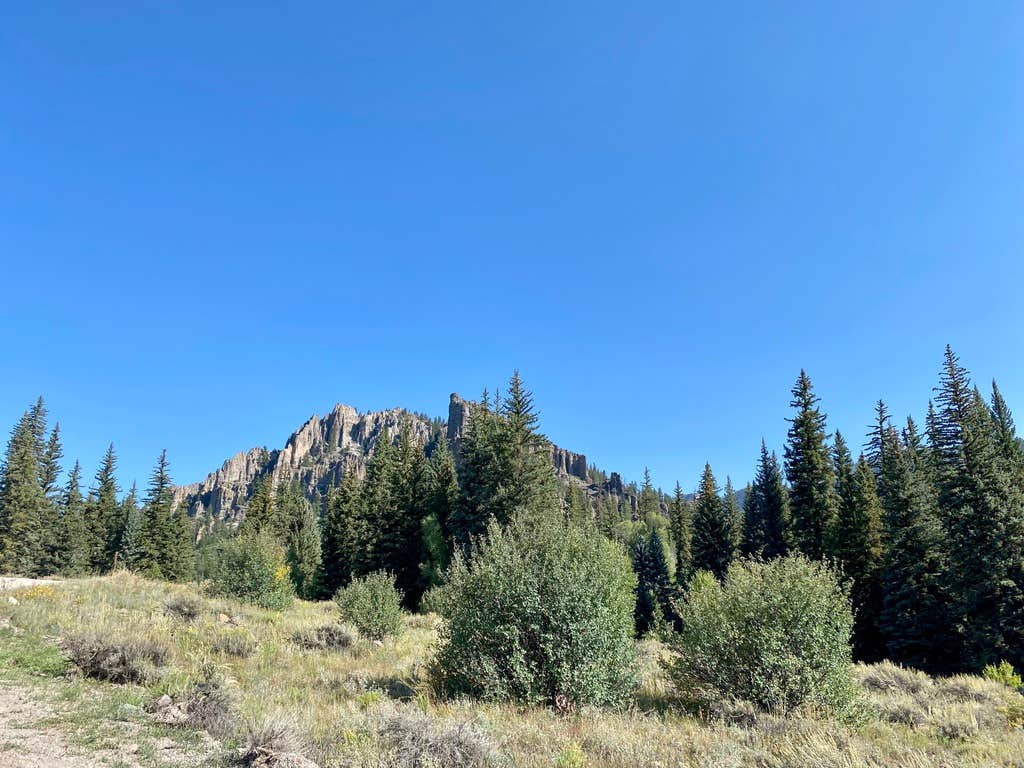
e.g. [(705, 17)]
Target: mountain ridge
[(324, 448)]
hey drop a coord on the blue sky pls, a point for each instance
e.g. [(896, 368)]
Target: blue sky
[(219, 218)]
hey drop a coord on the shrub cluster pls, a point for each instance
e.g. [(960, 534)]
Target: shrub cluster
[(542, 613), (184, 607), (776, 634), (329, 637), (372, 605), (252, 567), (117, 660), (413, 741)]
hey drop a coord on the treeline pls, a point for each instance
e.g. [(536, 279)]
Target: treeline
[(926, 527), (47, 528)]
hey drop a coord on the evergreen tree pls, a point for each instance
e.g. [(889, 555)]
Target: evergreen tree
[(102, 515), (341, 534), (441, 496), (809, 471), (398, 548), (506, 466), (1010, 446), (128, 554), (734, 514), (73, 552), (648, 504), (713, 532), (654, 591), (767, 510), (856, 545), (179, 563), (526, 481), (22, 499), (50, 513), (681, 521), (303, 544), (261, 511), (915, 604), (876, 434), (157, 525)]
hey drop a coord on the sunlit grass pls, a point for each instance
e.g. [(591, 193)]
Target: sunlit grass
[(336, 700)]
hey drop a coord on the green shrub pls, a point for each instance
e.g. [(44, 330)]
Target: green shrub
[(1004, 673), (776, 634), (433, 600), (541, 614), (251, 567), (372, 605)]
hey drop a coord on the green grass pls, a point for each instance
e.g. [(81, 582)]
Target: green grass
[(337, 701)]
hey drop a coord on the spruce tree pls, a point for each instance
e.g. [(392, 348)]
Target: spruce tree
[(648, 504), (526, 481), (157, 525), (915, 604), (809, 471), (22, 500), (734, 514), (398, 547), (876, 434), (441, 496), (73, 551), (131, 539), (102, 514), (713, 532), (341, 534), (261, 510), (767, 515), (1010, 446), (856, 546), (681, 522), (50, 514), (506, 466), (304, 555)]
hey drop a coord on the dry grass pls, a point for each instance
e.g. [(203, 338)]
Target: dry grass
[(369, 705)]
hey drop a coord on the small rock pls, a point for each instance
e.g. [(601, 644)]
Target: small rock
[(378, 643), (223, 618), (162, 703), (12, 600)]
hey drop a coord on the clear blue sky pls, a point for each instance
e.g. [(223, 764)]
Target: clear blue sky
[(219, 218)]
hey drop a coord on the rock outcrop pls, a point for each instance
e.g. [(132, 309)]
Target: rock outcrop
[(323, 449)]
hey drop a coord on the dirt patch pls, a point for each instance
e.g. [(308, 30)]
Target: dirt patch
[(11, 583), (25, 744)]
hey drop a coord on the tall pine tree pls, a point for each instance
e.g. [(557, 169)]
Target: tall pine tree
[(766, 526), (809, 471), (713, 532)]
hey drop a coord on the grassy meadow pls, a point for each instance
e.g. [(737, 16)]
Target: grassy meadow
[(295, 678)]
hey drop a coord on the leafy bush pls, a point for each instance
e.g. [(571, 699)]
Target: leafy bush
[(116, 660), (1004, 673), (432, 600), (251, 567), (415, 742), (372, 605), (541, 614), (776, 634)]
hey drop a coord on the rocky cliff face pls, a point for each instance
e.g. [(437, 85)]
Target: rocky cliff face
[(323, 449)]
